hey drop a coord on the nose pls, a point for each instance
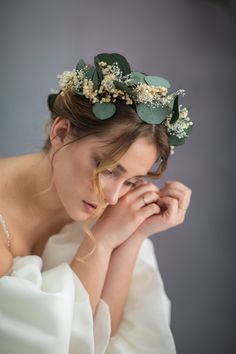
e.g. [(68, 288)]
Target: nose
[(112, 193)]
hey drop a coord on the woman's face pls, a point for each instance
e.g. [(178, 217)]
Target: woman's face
[(74, 167)]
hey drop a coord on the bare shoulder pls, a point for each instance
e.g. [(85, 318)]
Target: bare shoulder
[(6, 257)]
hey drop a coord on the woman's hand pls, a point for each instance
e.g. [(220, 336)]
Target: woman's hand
[(118, 222), (174, 200)]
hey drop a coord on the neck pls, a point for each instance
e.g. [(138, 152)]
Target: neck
[(38, 191)]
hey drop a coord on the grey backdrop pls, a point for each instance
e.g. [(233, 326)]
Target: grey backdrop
[(192, 44)]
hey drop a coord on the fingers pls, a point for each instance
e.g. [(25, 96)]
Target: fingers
[(149, 210), (178, 191), (169, 206), (141, 188)]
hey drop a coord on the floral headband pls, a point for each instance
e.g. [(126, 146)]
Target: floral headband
[(111, 79)]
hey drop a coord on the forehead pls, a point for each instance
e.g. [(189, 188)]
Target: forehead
[(140, 156), (137, 160)]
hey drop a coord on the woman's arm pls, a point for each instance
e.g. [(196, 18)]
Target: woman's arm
[(118, 279), (175, 199), (93, 272), (114, 227)]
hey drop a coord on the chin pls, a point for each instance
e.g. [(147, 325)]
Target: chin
[(81, 215)]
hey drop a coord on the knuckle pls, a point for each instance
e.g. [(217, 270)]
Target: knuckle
[(189, 190), (152, 186), (174, 201), (154, 195)]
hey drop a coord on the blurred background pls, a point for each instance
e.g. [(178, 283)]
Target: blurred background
[(191, 43)]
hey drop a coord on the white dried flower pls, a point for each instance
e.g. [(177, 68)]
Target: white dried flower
[(179, 127), (149, 94), (172, 149), (71, 79)]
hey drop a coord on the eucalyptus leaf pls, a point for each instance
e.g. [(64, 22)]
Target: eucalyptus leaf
[(122, 63), (115, 58), (188, 131), (105, 57), (157, 81), (175, 115), (98, 69), (175, 141), (151, 115), (95, 80), (81, 64), (89, 72), (136, 77), (51, 100), (122, 86), (104, 110)]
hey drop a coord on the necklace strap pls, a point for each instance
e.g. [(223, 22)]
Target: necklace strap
[(4, 225)]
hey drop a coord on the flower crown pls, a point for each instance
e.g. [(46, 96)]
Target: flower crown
[(111, 79)]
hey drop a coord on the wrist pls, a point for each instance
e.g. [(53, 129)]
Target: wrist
[(134, 241), (102, 241)]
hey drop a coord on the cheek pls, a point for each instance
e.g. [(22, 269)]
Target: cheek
[(72, 177)]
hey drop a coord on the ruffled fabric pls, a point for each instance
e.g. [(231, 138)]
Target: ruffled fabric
[(44, 307)]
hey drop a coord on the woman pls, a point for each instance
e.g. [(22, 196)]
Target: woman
[(68, 288)]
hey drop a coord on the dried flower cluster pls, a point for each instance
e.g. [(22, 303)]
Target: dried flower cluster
[(111, 78), (180, 127)]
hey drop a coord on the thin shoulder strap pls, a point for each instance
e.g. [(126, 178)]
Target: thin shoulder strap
[(4, 225)]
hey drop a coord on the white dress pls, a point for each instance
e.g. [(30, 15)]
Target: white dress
[(45, 309)]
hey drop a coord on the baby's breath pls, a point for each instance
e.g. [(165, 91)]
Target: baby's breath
[(71, 79), (181, 125), (108, 90), (147, 93)]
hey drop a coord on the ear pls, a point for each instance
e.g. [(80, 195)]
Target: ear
[(59, 132)]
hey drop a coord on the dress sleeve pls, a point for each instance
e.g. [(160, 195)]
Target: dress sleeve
[(145, 327), (44, 312)]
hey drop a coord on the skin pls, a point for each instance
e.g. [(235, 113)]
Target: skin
[(63, 203)]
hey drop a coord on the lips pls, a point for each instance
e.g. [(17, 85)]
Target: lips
[(89, 207), (93, 205)]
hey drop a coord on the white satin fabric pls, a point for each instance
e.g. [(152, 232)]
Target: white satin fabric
[(45, 309)]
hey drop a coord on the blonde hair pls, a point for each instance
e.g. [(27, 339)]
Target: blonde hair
[(118, 133)]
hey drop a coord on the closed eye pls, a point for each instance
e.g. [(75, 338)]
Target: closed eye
[(130, 184), (111, 173)]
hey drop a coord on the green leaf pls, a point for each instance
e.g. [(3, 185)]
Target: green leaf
[(104, 110), (89, 72), (105, 57), (173, 140), (188, 131), (175, 115), (151, 115), (115, 58), (136, 78), (157, 81), (99, 70), (122, 63), (51, 99), (122, 86), (81, 64), (95, 80)]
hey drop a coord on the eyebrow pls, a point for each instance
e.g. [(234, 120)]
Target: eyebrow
[(120, 167), (123, 170)]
